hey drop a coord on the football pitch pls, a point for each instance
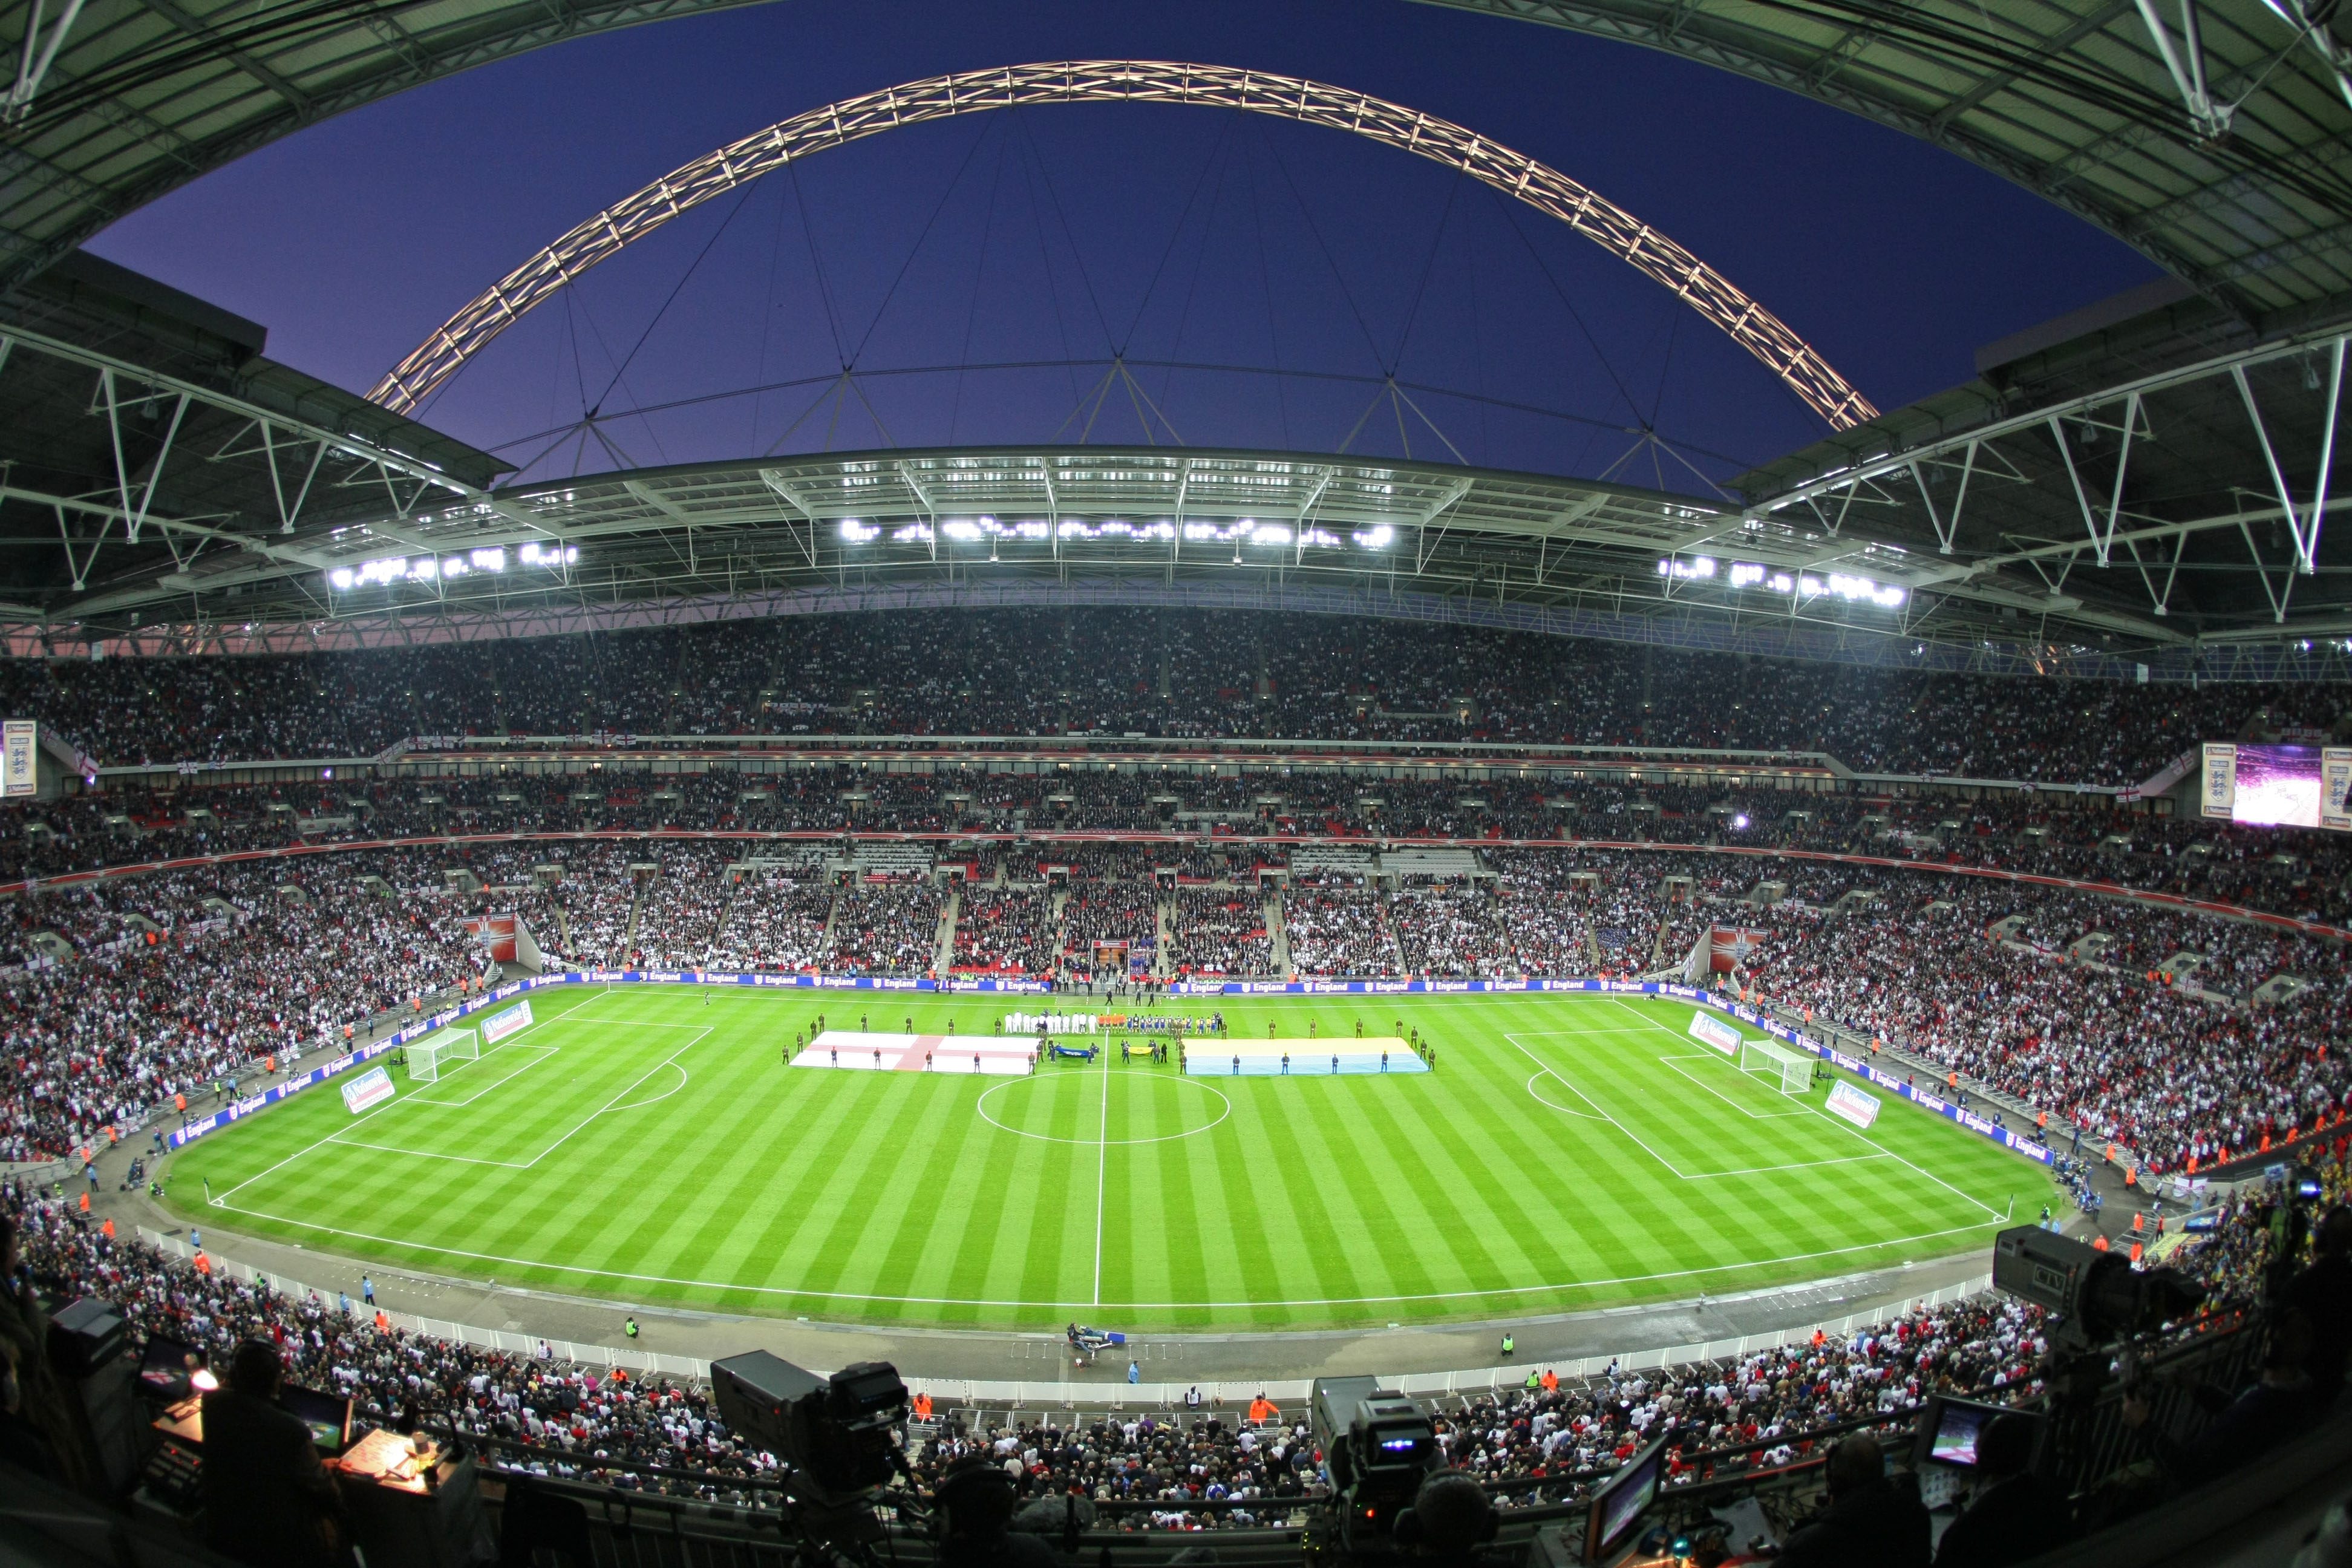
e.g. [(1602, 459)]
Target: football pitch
[(648, 1143)]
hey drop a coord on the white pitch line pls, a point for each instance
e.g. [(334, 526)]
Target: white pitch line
[(1699, 1082), (821, 1293), (1889, 1153), (1677, 1172), (1102, 1168), (338, 1137)]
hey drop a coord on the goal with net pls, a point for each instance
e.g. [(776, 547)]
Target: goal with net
[(440, 1052), (1769, 1059)]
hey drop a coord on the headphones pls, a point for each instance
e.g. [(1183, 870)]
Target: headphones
[(964, 1486), (1408, 1530)]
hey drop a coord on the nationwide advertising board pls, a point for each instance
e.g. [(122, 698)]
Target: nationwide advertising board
[(371, 1088), (1847, 1100), (498, 1025), (1710, 1030)]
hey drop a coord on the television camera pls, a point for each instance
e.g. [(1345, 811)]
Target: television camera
[(1377, 1446), (2097, 1297), (840, 1433), (2096, 1301)]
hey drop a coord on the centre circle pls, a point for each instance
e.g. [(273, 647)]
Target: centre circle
[(1039, 1096)]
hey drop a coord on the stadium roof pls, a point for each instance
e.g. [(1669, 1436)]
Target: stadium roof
[(2219, 152), (2147, 483)]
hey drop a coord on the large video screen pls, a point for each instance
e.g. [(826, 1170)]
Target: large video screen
[(2277, 786)]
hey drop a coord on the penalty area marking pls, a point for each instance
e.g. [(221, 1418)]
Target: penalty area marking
[(1883, 1153), (339, 1135), (426, 1097), (981, 1106), (1675, 1171)]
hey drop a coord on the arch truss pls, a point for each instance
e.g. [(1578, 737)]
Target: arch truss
[(1607, 225)]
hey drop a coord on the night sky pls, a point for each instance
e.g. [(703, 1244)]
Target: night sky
[(1168, 234)]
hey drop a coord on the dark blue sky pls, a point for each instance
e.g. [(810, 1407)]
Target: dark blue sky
[(1175, 233)]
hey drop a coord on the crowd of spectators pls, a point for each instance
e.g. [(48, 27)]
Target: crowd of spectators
[(681, 902), (1011, 929), (775, 921), (580, 1414), (1220, 930), (229, 964), (1336, 927), (2003, 983), (2178, 1033), (887, 928), (1204, 1466), (2298, 872), (1118, 672), (1112, 912), (1450, 928)]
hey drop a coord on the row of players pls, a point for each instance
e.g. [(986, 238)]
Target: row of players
[(180, 980), (2308, 874), (1121, 671)]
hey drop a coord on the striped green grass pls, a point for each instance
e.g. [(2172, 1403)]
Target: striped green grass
[(647, 1144)]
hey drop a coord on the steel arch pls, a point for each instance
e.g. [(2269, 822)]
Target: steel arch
[(1546, 189)]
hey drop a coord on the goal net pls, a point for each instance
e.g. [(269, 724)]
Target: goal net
[(440, 1052), (1767, 1058)]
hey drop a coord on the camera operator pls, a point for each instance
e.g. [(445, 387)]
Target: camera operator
[(2015, 1515), (2278, 1406), (1871, 1523), (2323, 1294), (972, 1518), (1451, 1521), (41, 1425)]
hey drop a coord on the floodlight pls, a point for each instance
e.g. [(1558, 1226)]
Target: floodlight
[(341, 577), (493, 559), (1378, 537)]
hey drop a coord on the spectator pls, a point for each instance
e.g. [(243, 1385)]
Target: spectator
[(2015, 1515), (266, 1498), (2323, 1294), (2277, 1408), (43, 1421), (1871, 1521)]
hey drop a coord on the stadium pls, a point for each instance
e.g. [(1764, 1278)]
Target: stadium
[(1136, 777)]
